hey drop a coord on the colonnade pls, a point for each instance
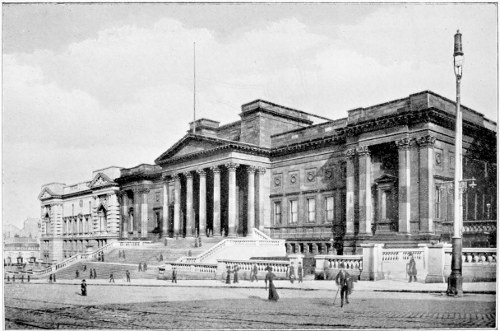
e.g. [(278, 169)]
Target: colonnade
[(201, 196)]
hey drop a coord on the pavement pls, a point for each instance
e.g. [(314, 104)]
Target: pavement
[(401, 286)]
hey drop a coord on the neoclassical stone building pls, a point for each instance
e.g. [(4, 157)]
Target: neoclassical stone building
[(379, 175), (80, 217)]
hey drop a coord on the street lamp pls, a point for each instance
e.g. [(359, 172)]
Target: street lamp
[(455, 279)]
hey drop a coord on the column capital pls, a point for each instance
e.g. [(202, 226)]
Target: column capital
[(201, 172), (188, 174), (426, 141), (404, 143), (164, 176), (176, 177), (231, 166), (215, 169), (362, 150), (261, 170), (350, 153), (143, 190), (251, 169)]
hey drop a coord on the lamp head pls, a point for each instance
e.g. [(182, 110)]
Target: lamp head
[(458, 55)]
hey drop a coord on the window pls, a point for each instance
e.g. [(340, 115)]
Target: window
[(329, 209), (277, 212), (311, 210), (293, 211), (437, 212)]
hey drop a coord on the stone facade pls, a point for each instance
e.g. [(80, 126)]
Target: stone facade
[(80, 217), (378, 175)]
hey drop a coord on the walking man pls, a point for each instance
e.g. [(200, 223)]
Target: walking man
[(127, 273), (343, 280), (411, 268), (22, 278), (111, 278), (174, 275), (28, 278), (95, 274), (54, 278), (77, 273), (291, 273), (253, 274), (140, 267)]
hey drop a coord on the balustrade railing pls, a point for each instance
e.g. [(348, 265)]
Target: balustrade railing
[(195, 267), (475, 255), (402, 254), (350, 262), (262, 265)]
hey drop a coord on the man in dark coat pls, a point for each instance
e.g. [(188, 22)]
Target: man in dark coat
[(343, 280), (236, 269), (253, 273), (127, 273), (54, 278), (140, 267), (300, 272), (411, 268), (291, 273), (174, 275), (77, 274)]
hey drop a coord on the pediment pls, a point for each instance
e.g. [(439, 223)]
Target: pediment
[(101, 180), (46, 194), (189, 145)]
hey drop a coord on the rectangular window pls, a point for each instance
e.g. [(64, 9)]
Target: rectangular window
[(329, 209), (277, 213), (437, 212), (311, 210), (293, 211)]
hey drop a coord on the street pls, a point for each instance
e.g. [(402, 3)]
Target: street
[(55, 306)]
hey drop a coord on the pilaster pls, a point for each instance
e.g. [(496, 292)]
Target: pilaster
[(144, 212), (202, 202), (426, 179), (177, 205), (404, 184), (350, 196)]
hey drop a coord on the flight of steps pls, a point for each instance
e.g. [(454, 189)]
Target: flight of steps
[(103, 270)]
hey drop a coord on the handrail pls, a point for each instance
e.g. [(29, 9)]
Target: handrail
[(259, 234)]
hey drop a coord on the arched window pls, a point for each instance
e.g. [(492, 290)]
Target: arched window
[(102, 216)]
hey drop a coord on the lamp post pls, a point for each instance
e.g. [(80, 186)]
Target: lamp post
[(455, 279)]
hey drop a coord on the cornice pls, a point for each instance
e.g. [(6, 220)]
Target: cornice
[(309, 144)]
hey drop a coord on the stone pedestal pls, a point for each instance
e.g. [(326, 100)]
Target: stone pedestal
[(435, 264), (372, 262)]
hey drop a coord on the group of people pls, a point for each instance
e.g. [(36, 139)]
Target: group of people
[(21, 278), (232, 270), (143, 267), (291, 272)]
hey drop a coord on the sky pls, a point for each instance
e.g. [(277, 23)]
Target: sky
[(86, 86)]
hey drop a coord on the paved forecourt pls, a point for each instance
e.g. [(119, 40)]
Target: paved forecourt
[(188, 304)]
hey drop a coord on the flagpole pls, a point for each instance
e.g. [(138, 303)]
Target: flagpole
[(194, 87)]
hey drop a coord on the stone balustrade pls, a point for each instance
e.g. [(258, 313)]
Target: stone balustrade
[(475, 255), (323, 231), (329, 265)]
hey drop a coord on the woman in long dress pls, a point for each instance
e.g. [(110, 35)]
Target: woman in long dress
[(270, 276)]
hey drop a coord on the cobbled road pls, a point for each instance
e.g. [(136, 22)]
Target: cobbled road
[(138, 307)]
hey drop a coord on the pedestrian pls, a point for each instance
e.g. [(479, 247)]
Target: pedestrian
[(174, 275), (84, 267), (8, 278), (291, 273), (123, 254), (54, 277), (199, 241), (77, 273), (83, 287), (236, 269), (161, 257), (326, 267), (13, 278), (119, 254), (145, 267), (344, 281), (253, 272), (95, 274), (165, 241), (270, 276), (140, 267), (50, 279), (28, 278), (22, 278), (300, 272), (111, 278), (411, 268), (228, 275), (127, 273)]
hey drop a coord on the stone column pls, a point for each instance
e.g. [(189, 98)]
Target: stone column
[(164, 230), (404, 185), (125, 215), (202, 202), (189, 204), (144, 213), (260, 197), (426, 179), (365, 191), (217, 220), (350, 196), (251, 199), (177, 205), (137, 212), (232, 198)]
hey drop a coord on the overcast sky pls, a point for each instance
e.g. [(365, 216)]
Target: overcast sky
[(86, 86)]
